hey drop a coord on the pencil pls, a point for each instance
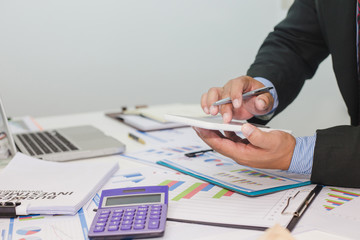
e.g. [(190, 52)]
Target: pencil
[(136, 138)]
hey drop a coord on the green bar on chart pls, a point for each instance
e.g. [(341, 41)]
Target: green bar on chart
[(187, 191)]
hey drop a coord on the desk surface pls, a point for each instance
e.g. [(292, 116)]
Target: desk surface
[(177, 230)]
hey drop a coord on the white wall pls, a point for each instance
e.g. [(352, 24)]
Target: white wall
[(72, 56)]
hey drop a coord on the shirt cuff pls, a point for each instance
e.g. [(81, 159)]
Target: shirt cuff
[(273, 92), (303, 156)]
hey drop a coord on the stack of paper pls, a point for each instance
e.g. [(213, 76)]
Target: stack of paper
[(45, 187)]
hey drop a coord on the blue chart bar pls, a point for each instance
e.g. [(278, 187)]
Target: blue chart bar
[(173, 187), (133, 175), (207, 188), (96, 200), (83, 223)]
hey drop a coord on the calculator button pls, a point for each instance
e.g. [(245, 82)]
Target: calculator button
[(154, 216), (125, 227), (143, 208), (126, 222), (115, 218), (128, 217), (141, 213), (139, 221), (140, 217), (156, 205), (101, 224), (105, 211), (155, 208), (153, 224), (104, 215), (139, 226), (113, 228), (117, 214), (114, 223), (155, 212), (118, 210), (130, 209), (99, 229), (129, 214), (102, 220)]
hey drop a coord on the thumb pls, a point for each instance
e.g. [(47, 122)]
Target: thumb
[(255, 136)]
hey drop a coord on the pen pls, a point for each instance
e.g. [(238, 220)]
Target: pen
[(136, 138), (198, 153), (244, 96)]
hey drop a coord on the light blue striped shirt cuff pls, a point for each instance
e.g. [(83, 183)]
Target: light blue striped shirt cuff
[(302, 159), (273, 92)]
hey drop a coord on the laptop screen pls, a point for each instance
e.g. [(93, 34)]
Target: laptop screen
[(7, 146)]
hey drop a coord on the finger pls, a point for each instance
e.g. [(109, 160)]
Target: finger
[(264, 103), (203, 103), (226, 111), (236, 91), (257, 137), (213, 95)]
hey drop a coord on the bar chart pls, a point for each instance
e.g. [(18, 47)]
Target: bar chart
[(338, 197)]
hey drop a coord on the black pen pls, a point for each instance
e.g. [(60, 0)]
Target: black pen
[(198, 153)]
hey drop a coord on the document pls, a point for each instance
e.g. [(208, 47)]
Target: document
[(44, 187), (224, 172), (194, 200)]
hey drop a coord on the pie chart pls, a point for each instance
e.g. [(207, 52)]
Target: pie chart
[(28, 230)]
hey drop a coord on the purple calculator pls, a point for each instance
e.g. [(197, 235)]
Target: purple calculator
[(137, 212)]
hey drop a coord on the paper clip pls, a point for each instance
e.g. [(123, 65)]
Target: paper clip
[(288, 203)]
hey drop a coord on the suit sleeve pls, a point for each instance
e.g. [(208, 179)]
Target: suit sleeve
[(337, 157), (292, 52)]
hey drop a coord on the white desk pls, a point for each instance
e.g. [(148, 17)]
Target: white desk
[(174, 230)]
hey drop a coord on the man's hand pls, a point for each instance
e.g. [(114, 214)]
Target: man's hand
[(238, 109), (261, 149)]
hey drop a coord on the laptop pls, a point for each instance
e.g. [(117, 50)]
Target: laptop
[(63, 144)]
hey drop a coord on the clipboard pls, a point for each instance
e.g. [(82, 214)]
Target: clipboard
[(143, 123), (295, 215)]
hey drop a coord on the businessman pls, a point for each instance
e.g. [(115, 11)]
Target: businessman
[(290, 54)]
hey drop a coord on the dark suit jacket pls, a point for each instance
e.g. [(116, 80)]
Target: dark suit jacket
[(290, 54)]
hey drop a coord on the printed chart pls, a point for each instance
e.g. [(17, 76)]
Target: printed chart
[(337, 197)]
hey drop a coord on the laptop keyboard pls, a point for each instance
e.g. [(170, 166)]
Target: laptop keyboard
[(45, 142)]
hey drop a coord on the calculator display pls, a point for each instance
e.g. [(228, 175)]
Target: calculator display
[(132, 199)]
